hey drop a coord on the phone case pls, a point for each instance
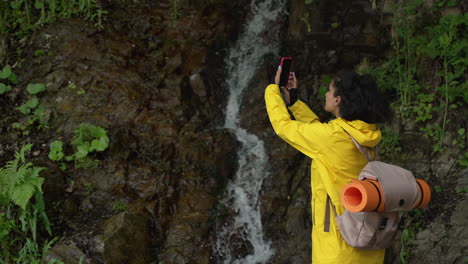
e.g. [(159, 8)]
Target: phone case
[(286, 64), (284, 58)]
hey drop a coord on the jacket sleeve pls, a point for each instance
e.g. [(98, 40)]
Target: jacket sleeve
[(308, 138), (303, 113)]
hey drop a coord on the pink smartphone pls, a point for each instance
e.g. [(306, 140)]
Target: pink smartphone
[(286, 64)]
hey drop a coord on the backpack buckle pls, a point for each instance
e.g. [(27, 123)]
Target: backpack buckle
[(383, 223)]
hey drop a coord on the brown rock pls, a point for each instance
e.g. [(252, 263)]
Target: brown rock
[(127, 238), (67, 252)]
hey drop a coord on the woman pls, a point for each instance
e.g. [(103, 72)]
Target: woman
[(358, 106)]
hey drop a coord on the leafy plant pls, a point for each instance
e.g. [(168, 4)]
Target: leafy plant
[(325, 81), (89, 188), (405, 46), (34, 116), (19, 180), (98, 18), (447, 41), (88, 139), (409, 233), (461, 138), (39, 52), (390, 145), (423, 107), (56, 150), (33, 110), (22, 208), (435, 132), (8, 78), (175, 11), (29, 106), (120, 206), (20, 17), (305, 19), (36, 88), (464, 160)]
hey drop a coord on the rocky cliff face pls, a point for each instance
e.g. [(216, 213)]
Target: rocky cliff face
[(154, 82), (154, 79)]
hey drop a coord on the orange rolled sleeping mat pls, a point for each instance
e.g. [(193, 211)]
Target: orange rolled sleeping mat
[(367, 196)]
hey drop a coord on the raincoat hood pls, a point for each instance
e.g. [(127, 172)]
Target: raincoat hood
[(368, 135)]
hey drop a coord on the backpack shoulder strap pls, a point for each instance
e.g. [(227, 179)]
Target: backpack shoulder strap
[(365, 150), (326, 225)]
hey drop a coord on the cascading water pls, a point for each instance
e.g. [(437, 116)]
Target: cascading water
[(242, 194)]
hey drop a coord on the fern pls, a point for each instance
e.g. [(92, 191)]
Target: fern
[(19, 181)]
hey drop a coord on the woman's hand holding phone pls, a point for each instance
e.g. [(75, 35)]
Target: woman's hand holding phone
[(292, 83)]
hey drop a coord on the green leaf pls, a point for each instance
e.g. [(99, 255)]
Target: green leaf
[(464, 160), (32, 103), (38, 4), (36, 88), (56, 145), (5, 73), (56, 155), (12, 78), (4, 88), (63, 166), (16, 4), (82, 150), (38, 53), (24, 109), (335, 25), (40, 112), (452, 3), (6, 225), (98, 132), (100, 144), (22, 194)]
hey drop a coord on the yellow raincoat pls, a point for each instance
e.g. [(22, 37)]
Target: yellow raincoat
[(335, 161)]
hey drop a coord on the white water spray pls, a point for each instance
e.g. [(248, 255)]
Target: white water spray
[(242, 194)]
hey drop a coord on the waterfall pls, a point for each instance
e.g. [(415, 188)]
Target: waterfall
[(242, 194)]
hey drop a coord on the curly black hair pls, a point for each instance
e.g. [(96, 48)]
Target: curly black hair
[(360, 98)]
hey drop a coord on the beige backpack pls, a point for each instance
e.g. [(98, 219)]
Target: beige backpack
[(377, 230)]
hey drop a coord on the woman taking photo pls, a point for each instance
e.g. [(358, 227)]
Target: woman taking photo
[(357, 105)]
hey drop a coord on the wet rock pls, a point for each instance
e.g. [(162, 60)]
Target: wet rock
[(86, 205), (127, 238), (181, 238), (207, 160), (296, 26), (451, 11), (239, 246), (2, 46), (443, 163), (198, 86), (70, 207), (462, 182), (444, 240), (54, 184), (67, 252)]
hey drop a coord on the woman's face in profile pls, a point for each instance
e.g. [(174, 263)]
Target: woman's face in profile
[(331, 101)]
